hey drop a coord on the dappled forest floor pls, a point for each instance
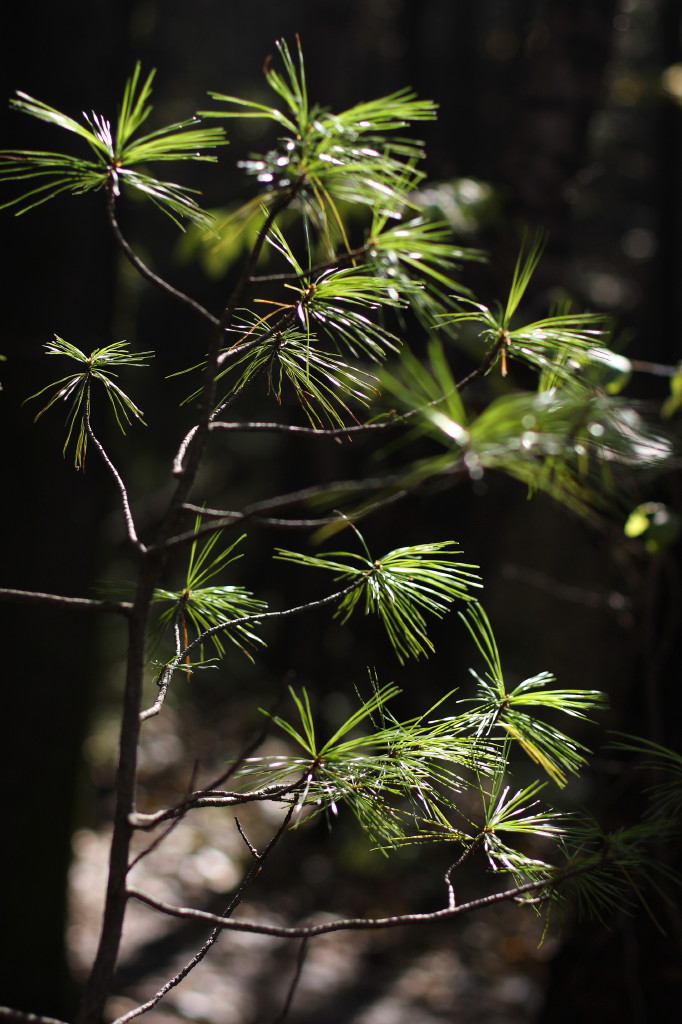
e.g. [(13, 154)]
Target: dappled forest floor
[(490, 966)]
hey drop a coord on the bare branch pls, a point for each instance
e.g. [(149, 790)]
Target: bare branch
[(182, 451), (247, 842), (322, 432), (203, 798), (300, 960), (230, 518), (163, 682), (127, 513), (148, 274), (252, 512), (256, 617), (147, 821), (280, 204), (156, 842), (20, 1017), (352, 923), (83, 603), (319, 268), (468, 851), (253, 871)]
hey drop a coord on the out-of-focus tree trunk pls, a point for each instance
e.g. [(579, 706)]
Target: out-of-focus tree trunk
[(60, 275), (566, 52)]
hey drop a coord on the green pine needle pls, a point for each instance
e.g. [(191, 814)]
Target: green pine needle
[(76, 388), (398, 588), (199, 607), (354, 156), (117, 155), (393, 778), (501, 710)]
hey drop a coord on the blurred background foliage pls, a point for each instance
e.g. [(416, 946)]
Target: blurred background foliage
[(565, 115)]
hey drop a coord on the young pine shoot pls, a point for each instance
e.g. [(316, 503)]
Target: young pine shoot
[(117, 154), (76, 388), (398, 587), (202, 608)]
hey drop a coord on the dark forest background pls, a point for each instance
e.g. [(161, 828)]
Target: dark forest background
[(566, 114)]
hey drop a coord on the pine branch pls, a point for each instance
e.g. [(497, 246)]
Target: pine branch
[(357, 924), (147, 273), (75, 603)]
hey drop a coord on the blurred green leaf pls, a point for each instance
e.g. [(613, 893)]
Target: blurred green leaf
[(665, 765), (674, 400), (658, 524)]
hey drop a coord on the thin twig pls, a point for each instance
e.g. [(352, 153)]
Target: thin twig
[(145, 821), (21, 1017), (211, 799), (470, 849), (182, 451), (322, 432), (282, 323), (481, 370), (156, 842), (148, 274), (300, 960), (230, 518), (247, 842), (337, 488), (353, 923), (280, 204), (165, 681), (318, 268), (257, 617), (87, 604), (254, 870), (127, 512), (164, 678)]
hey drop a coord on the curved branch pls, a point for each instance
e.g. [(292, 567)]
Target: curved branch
[(352, 923), (127, 512), (281, 203), (319, 268), (257, 617), (298, 970), (221, 324), (212, 787), (182, 451), (163, 684), (148, 274)]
